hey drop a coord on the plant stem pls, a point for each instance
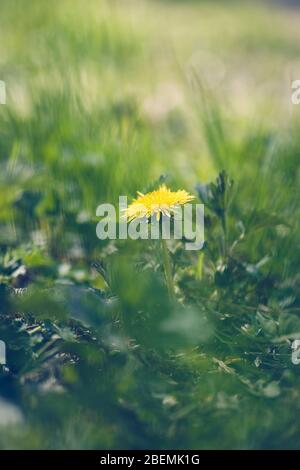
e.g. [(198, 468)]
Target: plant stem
[(167, 268), (224, 228)]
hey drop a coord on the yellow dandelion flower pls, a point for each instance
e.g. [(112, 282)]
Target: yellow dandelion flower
[(161, 201)]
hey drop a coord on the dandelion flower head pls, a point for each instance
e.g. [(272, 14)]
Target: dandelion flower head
[(161, 201)]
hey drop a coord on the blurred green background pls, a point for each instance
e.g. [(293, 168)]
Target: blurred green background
[(106, 98)]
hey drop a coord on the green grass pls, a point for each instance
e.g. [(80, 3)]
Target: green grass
[(102, 99)]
